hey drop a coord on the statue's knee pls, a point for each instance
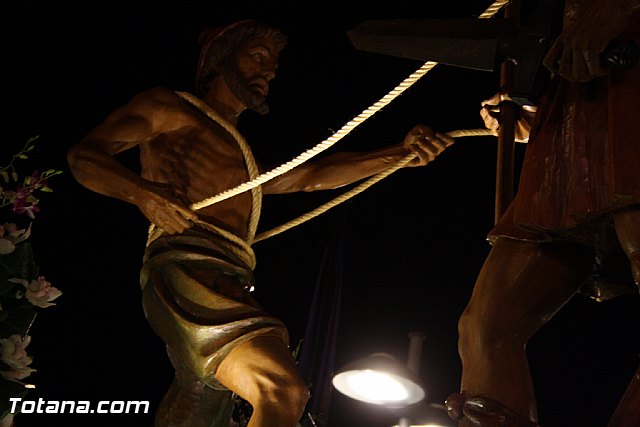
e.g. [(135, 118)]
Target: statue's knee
[(634, 260), (290, 392), (627, 225), (483, 332), (300, 395), (468, 332)]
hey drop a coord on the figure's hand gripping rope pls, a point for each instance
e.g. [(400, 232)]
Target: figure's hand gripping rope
[(409, 81), (324, 145), (346, 129), (360, 188)]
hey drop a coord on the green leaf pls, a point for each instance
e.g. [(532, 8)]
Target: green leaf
[(23, 156), (9, 389), (21, 318), (21, 263), (14, 175), (32, 139), (6, 286), (46, 190), (5, 176), (19, 321), (50, 173), (5, 275)]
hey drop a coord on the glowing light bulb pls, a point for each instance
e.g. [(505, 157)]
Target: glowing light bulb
[(380, 380), (377, 386)]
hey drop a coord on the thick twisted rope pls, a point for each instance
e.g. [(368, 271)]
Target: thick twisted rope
[(327, 143), (344, 131), (250, 161), (236, 244), (258, 180), (360, 188), (493, 9)]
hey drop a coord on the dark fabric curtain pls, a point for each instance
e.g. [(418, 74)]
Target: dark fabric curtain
[(319, 345)]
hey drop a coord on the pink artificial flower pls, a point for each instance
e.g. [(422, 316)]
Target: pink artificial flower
[(10, 236), (39, 292), (13, 353), (22, 200), (25, 205)]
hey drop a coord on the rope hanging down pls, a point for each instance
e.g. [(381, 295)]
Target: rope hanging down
[(329, 142)]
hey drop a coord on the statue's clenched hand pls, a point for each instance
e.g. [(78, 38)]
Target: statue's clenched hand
[(162, 206), (426, 144)]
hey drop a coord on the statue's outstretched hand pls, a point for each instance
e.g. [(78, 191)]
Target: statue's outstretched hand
[(426, 144), (162, 206), (490, 113)]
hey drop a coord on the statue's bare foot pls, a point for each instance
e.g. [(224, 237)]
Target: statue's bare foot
[(454, 405)]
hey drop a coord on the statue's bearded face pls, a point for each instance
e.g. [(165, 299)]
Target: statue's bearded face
[(250, 71)]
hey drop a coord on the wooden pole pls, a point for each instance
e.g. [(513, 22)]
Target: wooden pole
[(506, 132)]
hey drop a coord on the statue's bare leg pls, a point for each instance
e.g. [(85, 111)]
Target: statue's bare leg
[(191, 403), (262, 371), (627, 223), (520, 287)]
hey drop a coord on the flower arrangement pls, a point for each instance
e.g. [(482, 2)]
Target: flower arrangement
[(23, 290)]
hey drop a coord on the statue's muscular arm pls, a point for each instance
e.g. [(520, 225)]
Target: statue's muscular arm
[(344, 168), (93, 164)]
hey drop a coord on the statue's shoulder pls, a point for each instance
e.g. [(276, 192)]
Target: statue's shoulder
[(159, 104), (158, 95)]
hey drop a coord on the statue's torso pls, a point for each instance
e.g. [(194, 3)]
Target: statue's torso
[(200, 159)]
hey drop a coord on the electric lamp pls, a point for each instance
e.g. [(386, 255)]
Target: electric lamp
[(425, 414), (379, 379)]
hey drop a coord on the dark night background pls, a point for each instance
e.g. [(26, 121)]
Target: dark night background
[(414, 243)]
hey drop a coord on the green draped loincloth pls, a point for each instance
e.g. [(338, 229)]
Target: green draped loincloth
[(196, 298)]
